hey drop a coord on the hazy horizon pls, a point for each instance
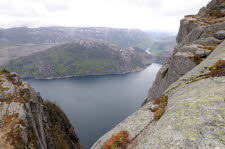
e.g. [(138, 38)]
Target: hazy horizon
[(151, 15)]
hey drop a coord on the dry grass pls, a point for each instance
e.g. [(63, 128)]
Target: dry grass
[(162, 100), (14, 137), (4, 71), (216, 70), (158, 113), (11, 124), (209, 47), (159, 109), (10, 77), (196, 59), (117, 141)]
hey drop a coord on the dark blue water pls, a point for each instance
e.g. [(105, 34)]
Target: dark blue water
[(95, 104)]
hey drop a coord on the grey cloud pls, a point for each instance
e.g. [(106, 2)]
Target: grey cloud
[(150, 3), (54, 6), (13, 10)]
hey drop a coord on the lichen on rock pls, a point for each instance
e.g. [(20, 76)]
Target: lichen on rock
[(26, 119), (193, 80)]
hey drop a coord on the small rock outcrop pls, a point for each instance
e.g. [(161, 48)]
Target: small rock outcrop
[(185, 108), (29, 122)]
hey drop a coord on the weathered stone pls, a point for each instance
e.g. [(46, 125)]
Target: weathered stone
[(213, 3), (189, 48), (186, 26), (173, 73), (209, 31), (134, 124), (194, 35), (195, 112), (194, 116), (220, 35), (203, 53), (207, 41), (24, 120)]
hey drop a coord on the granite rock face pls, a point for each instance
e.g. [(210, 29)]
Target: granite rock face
[(194, 116), (198, 34), (220, 35), (29, 122)]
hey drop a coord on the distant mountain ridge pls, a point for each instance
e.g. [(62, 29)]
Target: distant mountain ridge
[(23, 41), (121, 37)]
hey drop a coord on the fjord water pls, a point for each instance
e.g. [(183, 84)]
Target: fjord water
[(95, 104)]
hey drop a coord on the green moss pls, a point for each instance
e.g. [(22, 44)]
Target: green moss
[(159, 110), (216, 70), (213, 67)]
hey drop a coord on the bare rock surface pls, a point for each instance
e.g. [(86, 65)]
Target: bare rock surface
[(194, 115), (29, 122), (199, 34), (220, 35)]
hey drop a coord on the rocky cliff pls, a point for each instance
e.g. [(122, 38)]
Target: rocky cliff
[(29, 122), (185, 107), (198, 36)]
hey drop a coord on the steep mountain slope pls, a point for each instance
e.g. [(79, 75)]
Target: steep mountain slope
[(81, 57), (185, 107), (12, 51), (29, 122), (121, 37)]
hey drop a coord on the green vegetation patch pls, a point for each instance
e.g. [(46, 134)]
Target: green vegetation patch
[(77, 58), (159, 109), (216, 70), (23, 67), (117, 141)]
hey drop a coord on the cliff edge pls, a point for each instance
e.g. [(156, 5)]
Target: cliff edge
[(185, 107), (29, 122)]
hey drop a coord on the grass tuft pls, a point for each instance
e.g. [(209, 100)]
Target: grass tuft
[(159, 110), (196, 59), (158, 113), (117, 141), (216, 70)]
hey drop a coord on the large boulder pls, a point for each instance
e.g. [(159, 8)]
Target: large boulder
[(220, 35)]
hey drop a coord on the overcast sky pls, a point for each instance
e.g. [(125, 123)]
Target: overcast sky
[(158, 15)]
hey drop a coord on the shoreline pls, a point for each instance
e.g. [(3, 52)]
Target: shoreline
[(74, 76)]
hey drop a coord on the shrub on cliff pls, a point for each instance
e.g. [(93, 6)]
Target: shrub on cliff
[(117, 141)]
